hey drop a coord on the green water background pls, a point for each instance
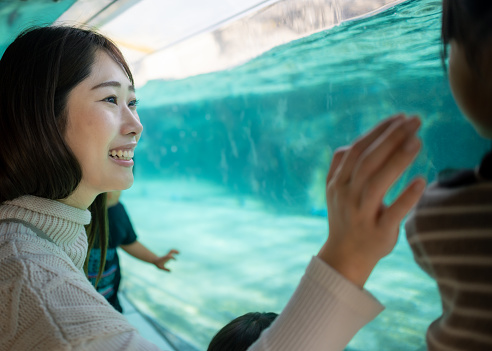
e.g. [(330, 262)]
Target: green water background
[(231, 171), (231, 167)]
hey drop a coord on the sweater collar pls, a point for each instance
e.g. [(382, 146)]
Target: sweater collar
[(62, 223)]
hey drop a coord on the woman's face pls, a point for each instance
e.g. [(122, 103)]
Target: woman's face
[(103, 129)]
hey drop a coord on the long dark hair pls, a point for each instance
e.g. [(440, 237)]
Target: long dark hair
[(469, 22), (242, 332), (37, 72)]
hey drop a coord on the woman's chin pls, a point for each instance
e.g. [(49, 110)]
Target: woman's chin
[(122, 184)]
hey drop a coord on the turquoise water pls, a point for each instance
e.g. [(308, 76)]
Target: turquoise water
[(19, 15), (230, 171)]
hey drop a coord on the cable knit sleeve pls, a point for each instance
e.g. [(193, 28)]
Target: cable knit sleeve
[(324, 313), (48, 304)]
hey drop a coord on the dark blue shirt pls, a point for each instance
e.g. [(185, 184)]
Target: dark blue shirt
[(120, 233)]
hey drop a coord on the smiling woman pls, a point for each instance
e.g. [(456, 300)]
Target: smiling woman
[(68, 112), (69, 103), (103, 129)]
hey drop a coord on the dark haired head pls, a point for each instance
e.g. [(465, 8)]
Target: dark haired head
[(38, 71), (242, 332), (469, 22)]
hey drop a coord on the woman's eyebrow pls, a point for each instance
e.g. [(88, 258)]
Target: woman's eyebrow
[(112, 83)]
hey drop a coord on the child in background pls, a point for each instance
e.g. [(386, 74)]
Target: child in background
[(242, 332), (121, 234), (450, 231)]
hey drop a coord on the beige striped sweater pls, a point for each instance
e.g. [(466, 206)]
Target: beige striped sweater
[(450, 233)]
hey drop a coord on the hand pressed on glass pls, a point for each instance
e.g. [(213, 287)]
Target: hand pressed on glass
[(362, 230)]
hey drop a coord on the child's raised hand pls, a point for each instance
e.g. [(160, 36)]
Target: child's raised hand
[(160, 262), (362, 230)]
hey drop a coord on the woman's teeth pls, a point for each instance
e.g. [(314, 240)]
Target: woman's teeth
[(120, 154)]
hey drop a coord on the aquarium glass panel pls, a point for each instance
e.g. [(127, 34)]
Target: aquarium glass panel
[(231, 171)]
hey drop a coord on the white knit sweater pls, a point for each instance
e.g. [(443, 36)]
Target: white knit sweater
[(48, 304)]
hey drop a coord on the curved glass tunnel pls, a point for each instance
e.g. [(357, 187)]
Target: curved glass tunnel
[(231, 165), (231, 171)]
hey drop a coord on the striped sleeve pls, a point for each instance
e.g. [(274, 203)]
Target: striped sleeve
[(450, 234)]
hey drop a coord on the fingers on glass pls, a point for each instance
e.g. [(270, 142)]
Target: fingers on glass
[(379, 180), (353, 155), (395, 213)]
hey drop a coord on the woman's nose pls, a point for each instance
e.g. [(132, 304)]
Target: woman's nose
[(131, 123)]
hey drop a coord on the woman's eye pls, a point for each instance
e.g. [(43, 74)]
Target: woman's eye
[(111, 99), (133, 103)]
